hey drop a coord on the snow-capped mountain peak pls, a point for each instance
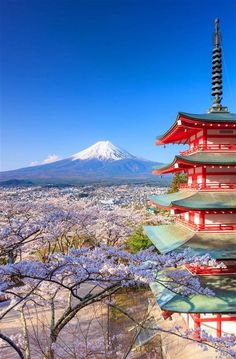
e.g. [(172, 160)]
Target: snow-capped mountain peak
[(103, 150), (102, 161)]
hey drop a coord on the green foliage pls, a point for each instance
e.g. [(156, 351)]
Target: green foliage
[(179, 177), (3, 261), (138, 241)]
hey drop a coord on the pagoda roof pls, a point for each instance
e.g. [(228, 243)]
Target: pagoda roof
[(210, 117), (224, 300), (206, 158), (167, 238), (185, 125), (196, 200)]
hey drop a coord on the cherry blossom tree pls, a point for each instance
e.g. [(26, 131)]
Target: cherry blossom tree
[(73, 277)]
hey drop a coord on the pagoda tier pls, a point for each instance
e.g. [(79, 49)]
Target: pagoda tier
[(189, 125), (200, 210), (196, 200), (206, 160)]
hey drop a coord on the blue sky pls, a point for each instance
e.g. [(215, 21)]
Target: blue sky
[(74, 72)]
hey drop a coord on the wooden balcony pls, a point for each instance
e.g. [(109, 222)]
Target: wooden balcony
[(217, 147), (208, 186), (203, 270), (211, 227)]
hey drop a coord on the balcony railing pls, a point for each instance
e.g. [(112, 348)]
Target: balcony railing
[(203, 270), (216, 147), (207, 227), (208, 186)]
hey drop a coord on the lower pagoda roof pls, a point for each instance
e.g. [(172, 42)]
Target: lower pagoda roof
[(202, 158), (167, 238), (224, 300), (217, 201)]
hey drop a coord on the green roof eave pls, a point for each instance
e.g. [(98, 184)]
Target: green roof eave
[(177, 237), (164, 166), (166, 200), (210, 117), (210, 158), (166, 238), (206, 158), (224, 300), (197, 200)]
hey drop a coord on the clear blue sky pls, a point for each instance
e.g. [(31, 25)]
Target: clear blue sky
[(74, 72)]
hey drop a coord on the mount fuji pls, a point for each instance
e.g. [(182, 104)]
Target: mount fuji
[(101, 161), (103, 151)]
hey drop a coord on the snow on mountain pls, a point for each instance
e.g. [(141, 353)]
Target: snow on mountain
[(101, 161), (103, 151)]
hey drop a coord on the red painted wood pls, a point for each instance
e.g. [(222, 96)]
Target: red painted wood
[(212, 186), (221, 173), (216, 227), (216, 319), (222, 136), (197, 326), (219, 326), (166, 314), (209, 148), (203, 270)]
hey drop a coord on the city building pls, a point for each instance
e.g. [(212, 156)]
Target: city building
[(204, 210)]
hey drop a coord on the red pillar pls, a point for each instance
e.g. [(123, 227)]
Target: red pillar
[(191, 217), (202, 219), (218, 326), (204, 138), (203, 177), (197, 326)]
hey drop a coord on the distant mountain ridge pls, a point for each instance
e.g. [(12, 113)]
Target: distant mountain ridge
[(103, 160)]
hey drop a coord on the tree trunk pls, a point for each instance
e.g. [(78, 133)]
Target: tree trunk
[(25, 334), (53, 336)]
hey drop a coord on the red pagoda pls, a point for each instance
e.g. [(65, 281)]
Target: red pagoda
[(204, 210)]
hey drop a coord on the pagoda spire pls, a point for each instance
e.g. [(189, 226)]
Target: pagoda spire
[(216, 88)]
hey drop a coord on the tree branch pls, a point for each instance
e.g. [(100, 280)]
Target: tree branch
[(13, 345)]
